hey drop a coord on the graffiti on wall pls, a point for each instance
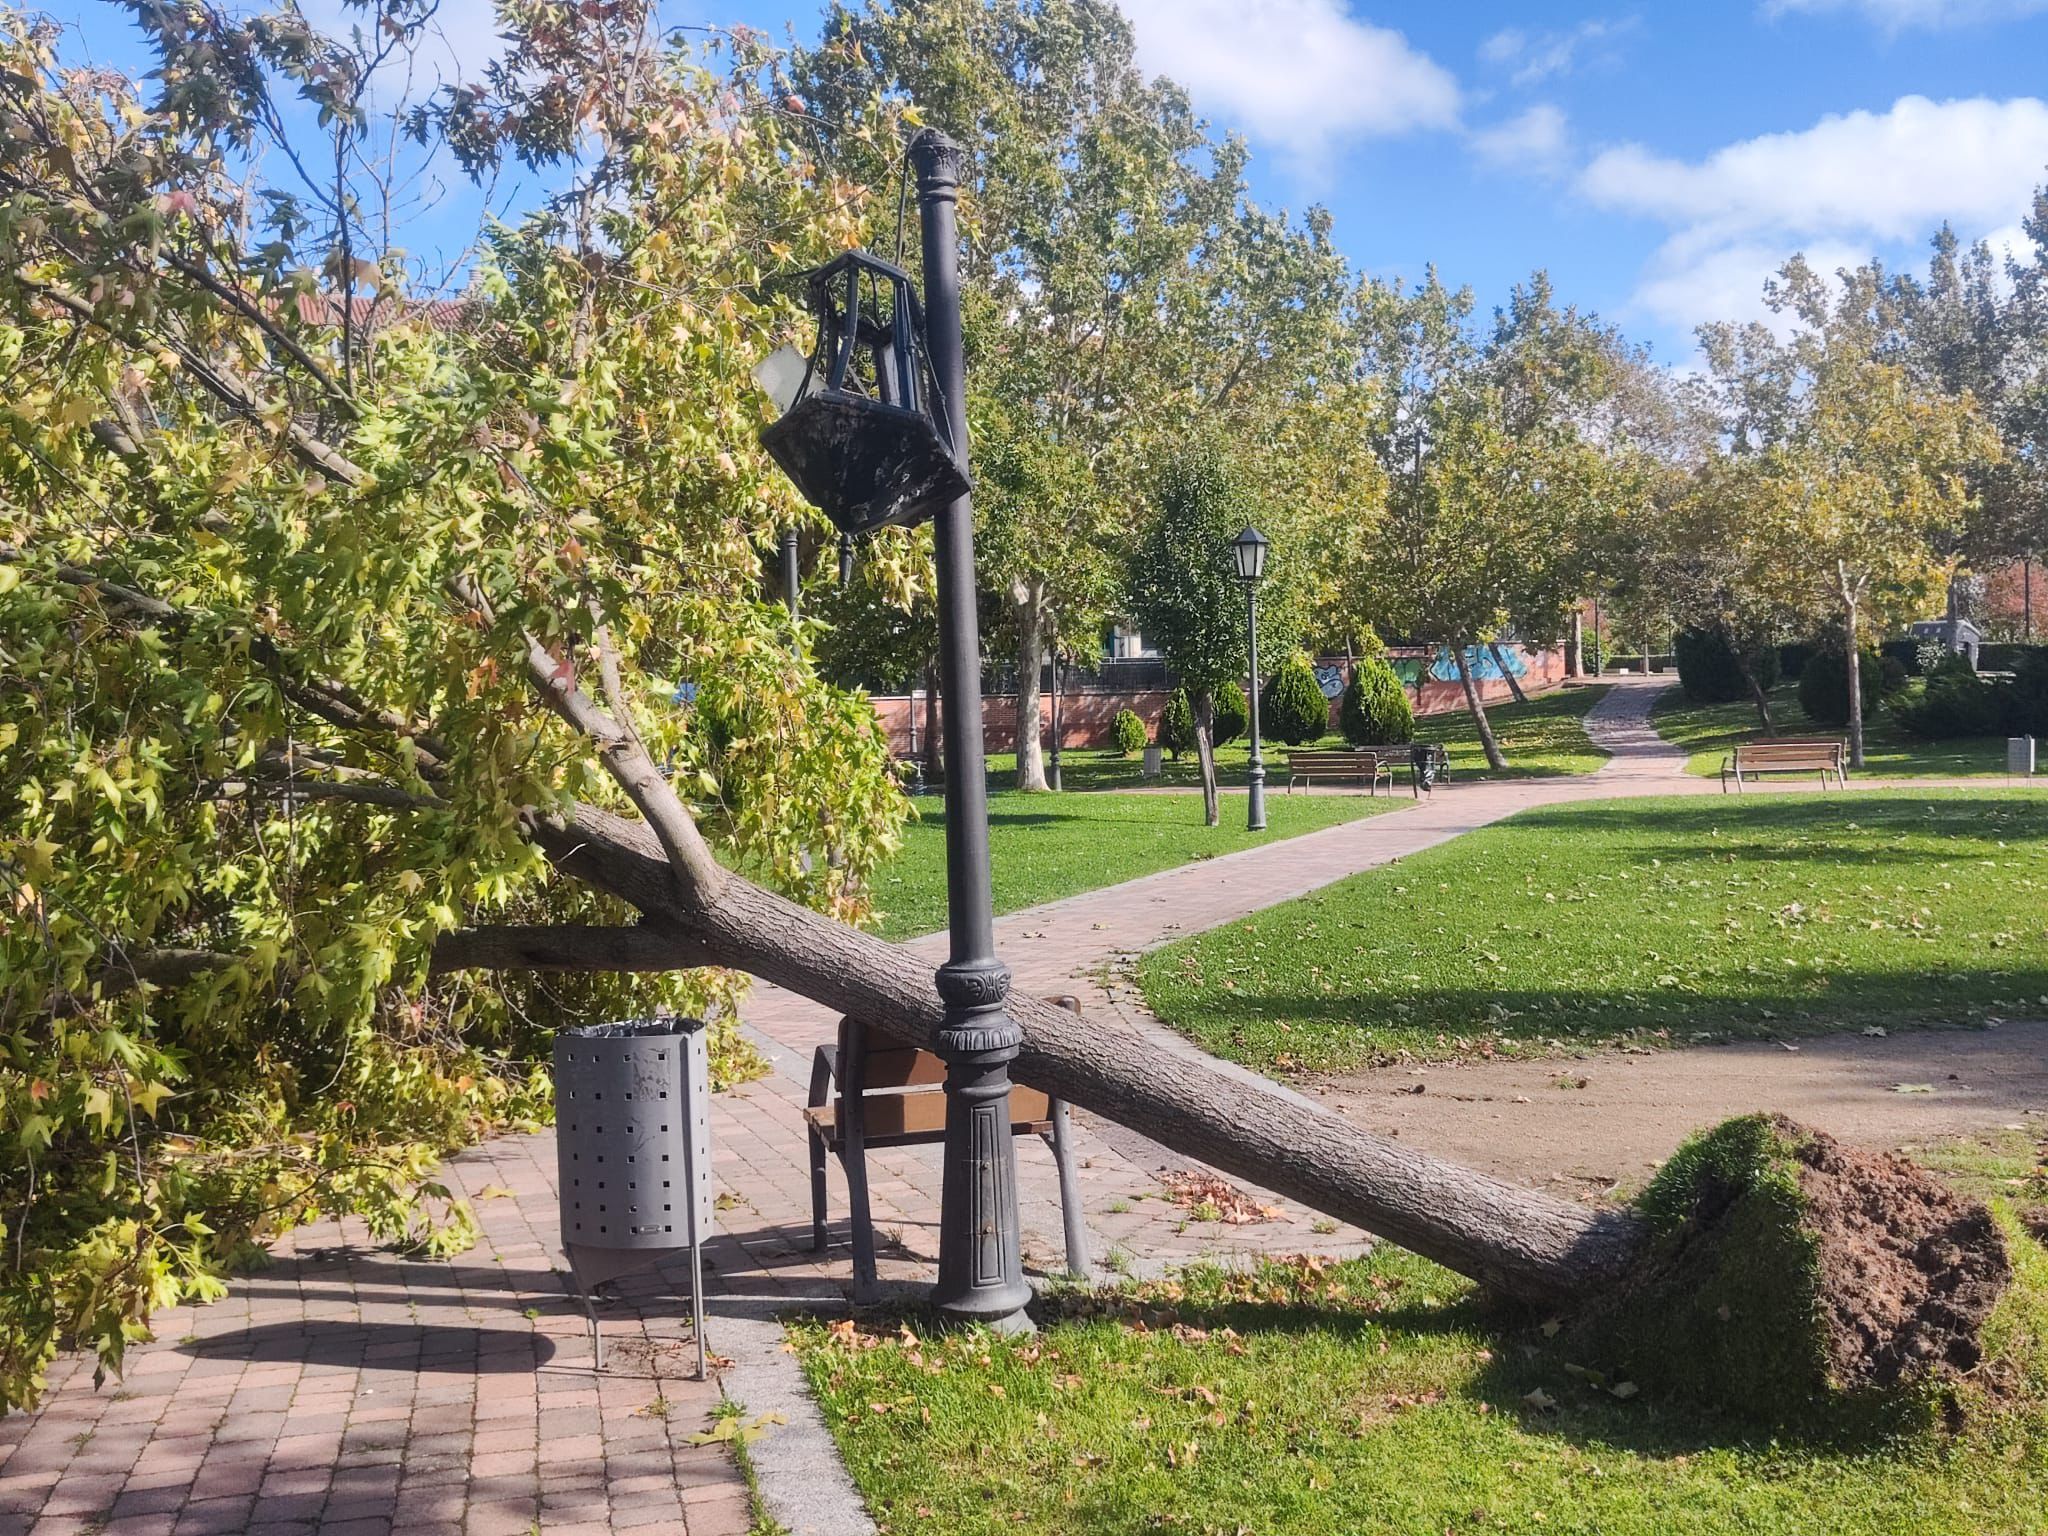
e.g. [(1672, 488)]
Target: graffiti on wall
[(1479, 661)]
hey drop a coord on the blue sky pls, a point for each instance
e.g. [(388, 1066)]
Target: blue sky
[(1658, 159)]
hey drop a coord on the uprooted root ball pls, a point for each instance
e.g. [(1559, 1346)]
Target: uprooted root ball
[(1789, 1271)]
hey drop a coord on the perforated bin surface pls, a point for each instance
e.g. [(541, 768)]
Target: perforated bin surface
[(630, 1100)]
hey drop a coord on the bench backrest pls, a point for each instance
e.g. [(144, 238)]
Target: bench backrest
[(1362, 757), (902, 1086), (1790, 752)]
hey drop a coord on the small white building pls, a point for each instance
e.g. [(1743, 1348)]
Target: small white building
[(1958, 636)]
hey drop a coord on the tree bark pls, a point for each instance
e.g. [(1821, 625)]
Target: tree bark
[(1855, 669), (1501, 661), (1205, 752), (1527, 1246), (1575, 647), (1027, 604), (1757, 696), (1494, 760)]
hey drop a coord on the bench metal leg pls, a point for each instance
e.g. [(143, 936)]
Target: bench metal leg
[(853, 1157), (1071, 1214), (818, 1160)]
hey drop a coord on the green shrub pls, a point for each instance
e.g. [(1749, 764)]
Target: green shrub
[(1909, 653), (1292, 707), (2030, 692), (1708, 669), (1792, 660), (2003, 657), (1824, 686), (1375, 711), (1957, 702), (1130, 733), (1177, 724), (1233, 715)]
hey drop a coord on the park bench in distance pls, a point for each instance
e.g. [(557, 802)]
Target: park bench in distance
[(1426, 762), (892, 1095), (1824, 755)]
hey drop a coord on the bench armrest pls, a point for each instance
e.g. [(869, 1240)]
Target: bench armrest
[(824, 1069)]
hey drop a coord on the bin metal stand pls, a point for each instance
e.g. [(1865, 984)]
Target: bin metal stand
[(633, 1155)]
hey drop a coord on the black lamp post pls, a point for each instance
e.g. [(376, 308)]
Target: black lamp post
[(1249, 549), (877, 434)]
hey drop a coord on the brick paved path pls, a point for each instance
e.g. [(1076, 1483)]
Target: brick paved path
[(344, 1389)]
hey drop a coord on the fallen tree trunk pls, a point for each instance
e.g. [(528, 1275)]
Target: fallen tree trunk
[(1525, 1245)]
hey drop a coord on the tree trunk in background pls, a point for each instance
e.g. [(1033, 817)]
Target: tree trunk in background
[(934, 737), (1494, 760), (1575, 647), (1757, 696), (1525, 1245), (1027, 603), (1855, 660), (1501, 661), (1205, 752)]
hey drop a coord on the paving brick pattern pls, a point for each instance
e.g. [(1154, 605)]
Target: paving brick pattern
[(347, 1390)]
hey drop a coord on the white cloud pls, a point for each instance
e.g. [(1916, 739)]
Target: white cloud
[(1535, 56), (1891, 174), (1847, 188), (1687, 285), (1300, 74), (1536, 140), (1903, 15)]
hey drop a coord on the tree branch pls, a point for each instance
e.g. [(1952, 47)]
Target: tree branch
[(565, 948)]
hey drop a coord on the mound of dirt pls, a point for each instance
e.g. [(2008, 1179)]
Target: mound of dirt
[(1909, 1270), (1788, 1271)]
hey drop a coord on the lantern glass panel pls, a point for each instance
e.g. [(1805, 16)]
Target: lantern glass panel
[(861, 442), (1250, 548)]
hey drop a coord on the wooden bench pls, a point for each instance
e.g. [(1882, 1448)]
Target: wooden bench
[(1368, 765), (886, 1095), (1426, 762), (1824, 755)]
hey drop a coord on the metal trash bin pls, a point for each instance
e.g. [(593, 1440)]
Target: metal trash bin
[(633, 1154)]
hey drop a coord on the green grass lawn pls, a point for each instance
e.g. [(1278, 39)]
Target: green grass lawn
[(1374, 1396), (1043, 847), (1655, 920), (1708, 732), (1542, 739)]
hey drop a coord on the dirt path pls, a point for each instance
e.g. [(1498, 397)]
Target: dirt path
[(1607, 1118)]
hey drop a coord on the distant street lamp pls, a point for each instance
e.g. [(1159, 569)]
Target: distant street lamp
[(1250, 548), (874, 433)]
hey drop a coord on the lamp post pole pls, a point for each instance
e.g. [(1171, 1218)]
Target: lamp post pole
[(981, 1268), (1255, 797), (789, 581)]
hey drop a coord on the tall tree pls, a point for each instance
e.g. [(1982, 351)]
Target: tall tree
[(1185, 594), (1125, 291)]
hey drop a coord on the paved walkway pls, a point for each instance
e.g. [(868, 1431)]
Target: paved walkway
[(347, 1390)]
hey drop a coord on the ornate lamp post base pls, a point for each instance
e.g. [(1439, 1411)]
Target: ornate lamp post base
[(981, 1274)]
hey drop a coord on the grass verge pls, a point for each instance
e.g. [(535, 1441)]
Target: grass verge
[(1656, 921), (1044, 847), (1709, 732), (1544, 738), (1376, 1395)]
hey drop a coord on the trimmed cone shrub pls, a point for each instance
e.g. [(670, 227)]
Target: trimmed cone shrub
[(1824, 686), (1708, 670), (1129, 730), (1376, 712), (1233, 715), (1292, 707), (1177, 724)]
